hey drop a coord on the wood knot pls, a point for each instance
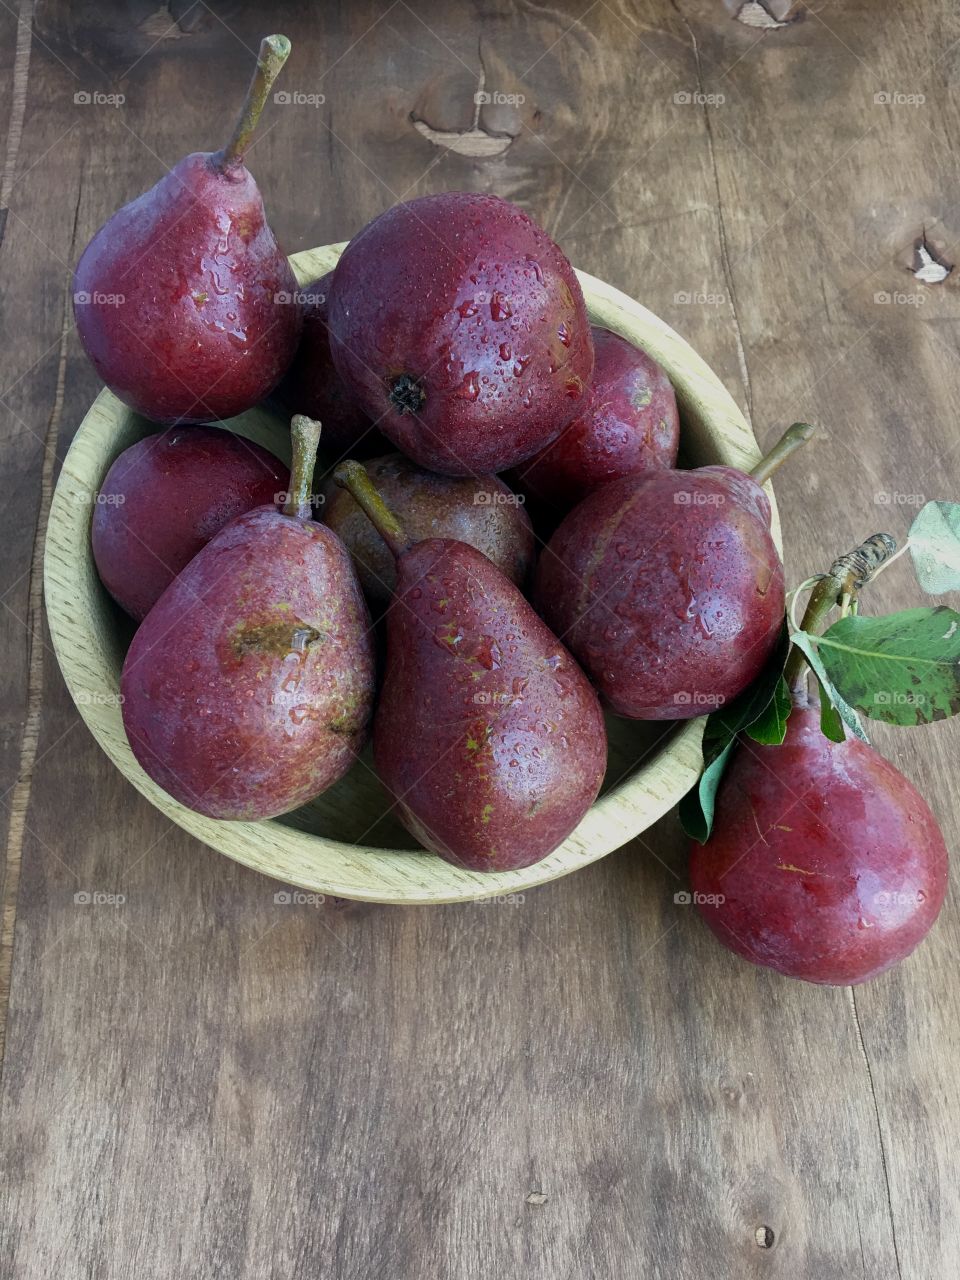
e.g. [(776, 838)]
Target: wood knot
[(766, 15), (479, 120)]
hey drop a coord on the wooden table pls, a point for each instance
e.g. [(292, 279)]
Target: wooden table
[(201, 1083)]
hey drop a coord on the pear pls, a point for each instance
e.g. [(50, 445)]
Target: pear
[(480, 510), (487, 733), (312, 385), (183, 300), (165, 497), (630, 425), (825, 862), (462, 331), (248, 689), (668, 586)]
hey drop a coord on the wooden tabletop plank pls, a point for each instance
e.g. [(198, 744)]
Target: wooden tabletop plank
[(869, 358), (200, 1080)]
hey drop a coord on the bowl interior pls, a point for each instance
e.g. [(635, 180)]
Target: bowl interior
[(349, 841)]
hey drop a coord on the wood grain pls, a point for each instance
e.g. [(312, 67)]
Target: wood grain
[(202, 1081)]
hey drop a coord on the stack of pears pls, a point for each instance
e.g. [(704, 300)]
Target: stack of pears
[(453, 331)]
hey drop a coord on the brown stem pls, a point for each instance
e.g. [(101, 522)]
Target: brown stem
[(791, 440), (353, 477), (274, 51), (847, 575), (305, 439)]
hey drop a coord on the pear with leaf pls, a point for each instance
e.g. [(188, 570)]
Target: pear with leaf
[(812, 854)]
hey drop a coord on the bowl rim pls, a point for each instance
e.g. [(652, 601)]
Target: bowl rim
[(712, 424)]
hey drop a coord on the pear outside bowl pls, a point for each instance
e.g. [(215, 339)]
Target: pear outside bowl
[(348, 843)]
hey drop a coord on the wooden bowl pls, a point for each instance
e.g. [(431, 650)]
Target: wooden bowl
[(347, 842)]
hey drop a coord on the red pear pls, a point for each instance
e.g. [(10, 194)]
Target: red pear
[(668, 587), (487, 733), (825, 863), (183, 300), (629, 425), (462, 329), (248, 688), (483, 512), (165, 497)]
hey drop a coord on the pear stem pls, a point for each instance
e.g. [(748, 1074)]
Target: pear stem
[(847, 575), (305, 435), (353, 477), (274, 51), (791, 440)]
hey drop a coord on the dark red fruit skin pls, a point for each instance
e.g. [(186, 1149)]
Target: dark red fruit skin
[(830, 864), (200, 335), (668, 589), (486, 732), (467, 297), (224, 707), (313, 386), (483, 512), (630, 425), (165, 497)]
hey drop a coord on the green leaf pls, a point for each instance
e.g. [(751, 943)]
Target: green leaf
[(770, 727), (726, 722), (935, 547), (697, 806), (806, 643), (903, 668), (831, 726)]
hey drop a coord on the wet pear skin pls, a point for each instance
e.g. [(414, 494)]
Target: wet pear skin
[(829, 864), (668, 589), (629, 425), (165, 497), (248, 688), (481, 511), (203, 331), (487, 733), (462, 330), (312, 385)]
